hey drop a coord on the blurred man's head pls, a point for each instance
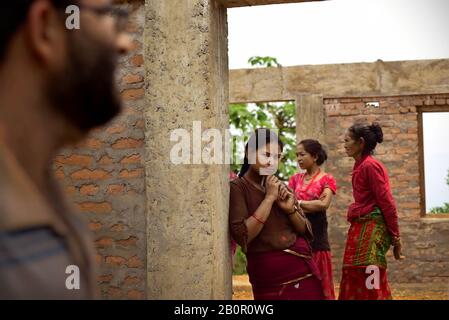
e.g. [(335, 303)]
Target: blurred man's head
[(74, 68)]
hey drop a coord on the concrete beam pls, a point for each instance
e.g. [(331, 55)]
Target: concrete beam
[(248, 3), (340, 80)]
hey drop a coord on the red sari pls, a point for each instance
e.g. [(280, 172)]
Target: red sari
[(321, 254)]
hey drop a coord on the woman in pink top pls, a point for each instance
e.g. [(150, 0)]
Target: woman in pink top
[(314, 189)]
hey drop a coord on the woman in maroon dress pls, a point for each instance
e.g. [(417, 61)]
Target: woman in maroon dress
[(265, 221), (373, 217), (314, 189)]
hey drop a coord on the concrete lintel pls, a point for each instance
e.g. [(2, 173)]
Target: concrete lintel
[(340, 80)]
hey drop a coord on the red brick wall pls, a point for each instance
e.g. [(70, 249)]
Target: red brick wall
[(425, 240), (105, 179)]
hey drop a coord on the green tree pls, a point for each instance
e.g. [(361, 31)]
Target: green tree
[(264, 61), (245, 118), (445, 207)]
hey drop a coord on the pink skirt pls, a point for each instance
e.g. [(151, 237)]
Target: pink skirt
[(323, 260)]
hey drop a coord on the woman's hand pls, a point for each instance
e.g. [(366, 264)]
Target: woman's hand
[(397, 249), (286, 200), (272, 188)]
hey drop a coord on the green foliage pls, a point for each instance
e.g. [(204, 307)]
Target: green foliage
[(245, 118), (263, 61), (443, 209), (239, 262)]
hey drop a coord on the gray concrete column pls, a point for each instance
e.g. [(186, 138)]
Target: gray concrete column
[(186, 71), (310, 118)]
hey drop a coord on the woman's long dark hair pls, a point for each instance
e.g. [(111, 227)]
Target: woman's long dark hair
[(268, 136)]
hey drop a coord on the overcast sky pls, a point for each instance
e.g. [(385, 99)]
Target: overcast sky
[(345, 31)]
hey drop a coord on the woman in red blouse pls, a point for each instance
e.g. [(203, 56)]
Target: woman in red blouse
[(373, 217), (314, 189)]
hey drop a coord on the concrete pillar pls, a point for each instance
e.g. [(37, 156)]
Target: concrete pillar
[(186, 71), (310, 118)]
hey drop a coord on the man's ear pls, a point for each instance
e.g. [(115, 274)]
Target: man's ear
[(44, 31)]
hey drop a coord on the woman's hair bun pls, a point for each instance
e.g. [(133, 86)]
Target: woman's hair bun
[(377, 130)]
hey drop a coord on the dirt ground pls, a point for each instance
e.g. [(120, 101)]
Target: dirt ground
[(410, 291)]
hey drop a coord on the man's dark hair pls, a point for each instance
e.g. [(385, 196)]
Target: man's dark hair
[(13, 13)]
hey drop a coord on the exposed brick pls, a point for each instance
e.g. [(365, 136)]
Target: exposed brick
[(127, 143), (135, 262), (131, 241), (93, 143), (132, 78), (99, 259), (115, 292), (140, 124), (405, 150), (115, 189), (429, 101), (104, 242), (129, 174), (59, 174), (89, 189), (115, 129), (133, 94), (75, 160), (130, 280), (95, 207), (95, 225), (135, 294), (137, 60), (106, 160), (135, 158), (115, 260), (70, 190), (86, 174), (132, 27), (410, 205), (105, 278), (118, 227), (135, 45)]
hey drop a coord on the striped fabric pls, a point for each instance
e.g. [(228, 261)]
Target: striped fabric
[(33, 263), (40, 239)]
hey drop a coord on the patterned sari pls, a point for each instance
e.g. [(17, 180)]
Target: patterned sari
[(367, 245)]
